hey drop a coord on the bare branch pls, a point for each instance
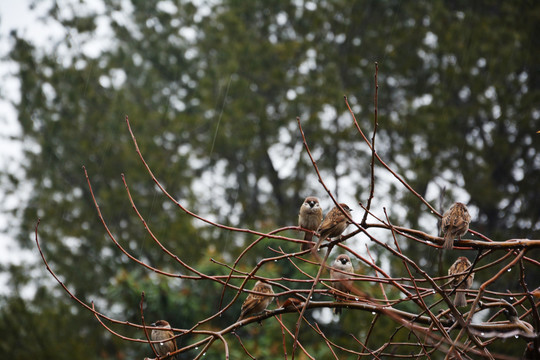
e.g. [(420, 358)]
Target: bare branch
[(433, 325)]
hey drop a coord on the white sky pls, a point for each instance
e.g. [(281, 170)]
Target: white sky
[(14, 14)]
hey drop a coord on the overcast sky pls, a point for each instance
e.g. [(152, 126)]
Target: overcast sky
[(14, 15)]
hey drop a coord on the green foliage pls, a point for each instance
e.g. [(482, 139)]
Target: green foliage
[(49, 327)]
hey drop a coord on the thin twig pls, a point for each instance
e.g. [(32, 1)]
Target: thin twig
[(375, 126), (315, 282), (144, 325)]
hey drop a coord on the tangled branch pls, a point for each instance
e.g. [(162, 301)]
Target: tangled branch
[(433, 322)]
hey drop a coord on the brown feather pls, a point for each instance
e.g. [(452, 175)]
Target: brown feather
[(334, 224), (461, 265), (256, 303), (164, 347), (455, 223), (345, 284), (309, 217)]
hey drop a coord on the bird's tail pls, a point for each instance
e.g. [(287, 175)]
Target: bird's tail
[(308, 236), (339, 299), (448, 241), (315, 248), (460, 300)]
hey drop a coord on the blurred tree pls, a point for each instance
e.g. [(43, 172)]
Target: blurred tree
[(213, 91)]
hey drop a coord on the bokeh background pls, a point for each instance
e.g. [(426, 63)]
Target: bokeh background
[(212, 90)]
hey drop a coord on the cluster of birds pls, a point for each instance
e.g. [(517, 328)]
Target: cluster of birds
[(455, 223)]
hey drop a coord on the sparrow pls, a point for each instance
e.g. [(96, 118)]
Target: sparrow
[(292, 303), (343, 263), (455, 223), (309, 217), (334, 224), (255, 303), (163, 347), (461, 265)]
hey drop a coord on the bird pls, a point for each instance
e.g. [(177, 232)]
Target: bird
[(292, 303), (455, 223), (310, 217), (163, 347), (334, 224), (256, 303), (342, 263), (462, 264)]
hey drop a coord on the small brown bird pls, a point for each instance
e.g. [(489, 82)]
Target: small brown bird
[(455, 223), (255, 303), (292, 303), (309, 217), (461, 265), (343, 263), (163, 347), (334, 224)]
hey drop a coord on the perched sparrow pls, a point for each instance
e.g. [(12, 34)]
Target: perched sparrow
[(254, 303), (461, 265), (163, 348), (309, 217), (334, 224), (455, 223), (292, 303), (343, 263)]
